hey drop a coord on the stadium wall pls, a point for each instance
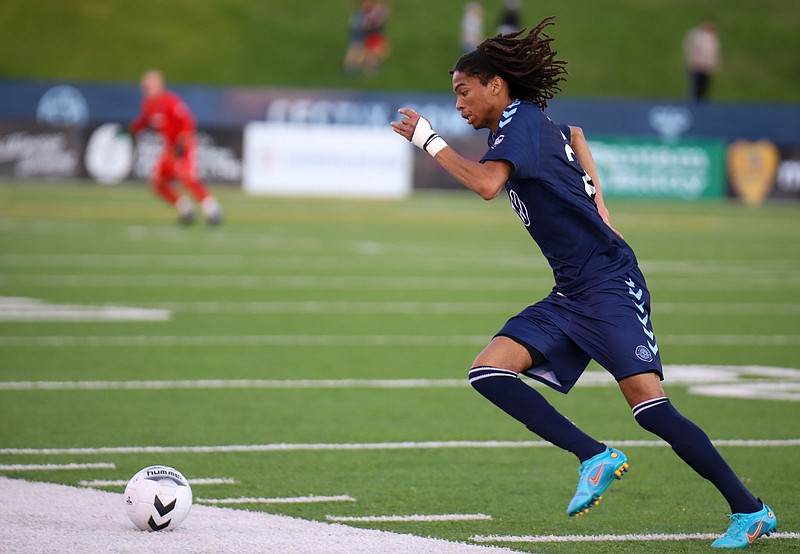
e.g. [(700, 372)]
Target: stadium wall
[(751, 151)]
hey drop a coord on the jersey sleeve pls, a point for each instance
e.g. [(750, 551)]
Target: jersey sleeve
[(517, 140)]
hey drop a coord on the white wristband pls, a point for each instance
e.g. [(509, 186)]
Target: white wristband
[(426, 138)]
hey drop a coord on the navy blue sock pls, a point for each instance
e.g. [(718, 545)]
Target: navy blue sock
[(694, 447), (506, 390)]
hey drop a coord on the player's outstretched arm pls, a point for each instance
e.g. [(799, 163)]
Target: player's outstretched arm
[(485, 179), (584, 156)]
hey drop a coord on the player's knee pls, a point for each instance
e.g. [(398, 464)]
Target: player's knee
[(482, 376)]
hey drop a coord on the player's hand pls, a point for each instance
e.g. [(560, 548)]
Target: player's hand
[(405, 127), (418, 130), (606, 217)]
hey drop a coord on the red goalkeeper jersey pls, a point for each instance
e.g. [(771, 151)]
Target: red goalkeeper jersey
[(166, 114)]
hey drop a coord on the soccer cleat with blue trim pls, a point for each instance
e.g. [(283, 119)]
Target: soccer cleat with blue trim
[(746, 528), (594, 477)]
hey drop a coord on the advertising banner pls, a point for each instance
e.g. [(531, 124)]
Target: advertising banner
[(649, 148), (80, 103), (689, 169), (30, 151), (760, 170), (112, 156), (324, 160), (219, 155)]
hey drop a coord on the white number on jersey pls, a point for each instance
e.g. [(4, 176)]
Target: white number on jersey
[(588, 185)]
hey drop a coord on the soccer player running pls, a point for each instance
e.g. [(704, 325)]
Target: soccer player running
[(164, 112), (600, 306)]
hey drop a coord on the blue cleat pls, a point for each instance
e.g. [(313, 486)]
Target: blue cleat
[(594, 477), (746, 528)]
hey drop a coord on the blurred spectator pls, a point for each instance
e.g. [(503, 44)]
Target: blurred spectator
[(702, 52), (376, 44), (510, 17), (367, 46), (165, 113), (472, 33), (356, 33)]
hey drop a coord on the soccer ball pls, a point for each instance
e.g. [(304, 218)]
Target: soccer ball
[(158, 498)]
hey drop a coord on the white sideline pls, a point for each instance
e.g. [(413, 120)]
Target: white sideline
[(312, 498), (194, 482), (43, 517), (348, 282), (50, 467), (416, 307), (414, 517), (33, 309), (647, 537), (771, 383), (297, 447), (351, 340), (237, 384)]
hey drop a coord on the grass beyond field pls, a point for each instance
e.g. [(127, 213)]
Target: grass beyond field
[(319, 347), (615, 48)]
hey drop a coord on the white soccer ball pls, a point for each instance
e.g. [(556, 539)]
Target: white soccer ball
[(158, 498)]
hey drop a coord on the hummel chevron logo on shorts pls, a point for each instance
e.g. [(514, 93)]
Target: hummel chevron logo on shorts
[(644, 319)]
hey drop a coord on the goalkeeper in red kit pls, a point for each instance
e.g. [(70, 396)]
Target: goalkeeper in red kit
[(164, 112)]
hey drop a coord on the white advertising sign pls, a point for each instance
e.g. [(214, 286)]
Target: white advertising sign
[(326, 160)]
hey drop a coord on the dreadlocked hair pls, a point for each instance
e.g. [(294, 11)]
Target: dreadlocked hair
[(527, 64)]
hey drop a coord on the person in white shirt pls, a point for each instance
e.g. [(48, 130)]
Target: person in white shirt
[(701, 49)]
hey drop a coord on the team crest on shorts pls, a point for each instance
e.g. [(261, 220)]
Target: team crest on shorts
[(644, 353)]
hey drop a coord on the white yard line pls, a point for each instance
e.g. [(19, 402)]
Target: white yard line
[(193, 482), (32, 309), (310, 499), (237, 384), (541, 281), (356, 250), (352, 340), (414, 517), (404, 307), (341, 307), (758, 380), (646, 537), (294, 282), (769, 390), (299, 447), (754, 382), (351, 255), (51, 467), (243, 340), (444, 308)]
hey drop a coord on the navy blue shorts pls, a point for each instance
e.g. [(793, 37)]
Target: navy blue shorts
[(609, 323)]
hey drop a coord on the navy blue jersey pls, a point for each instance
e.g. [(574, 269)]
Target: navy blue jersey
[(554, 198)]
